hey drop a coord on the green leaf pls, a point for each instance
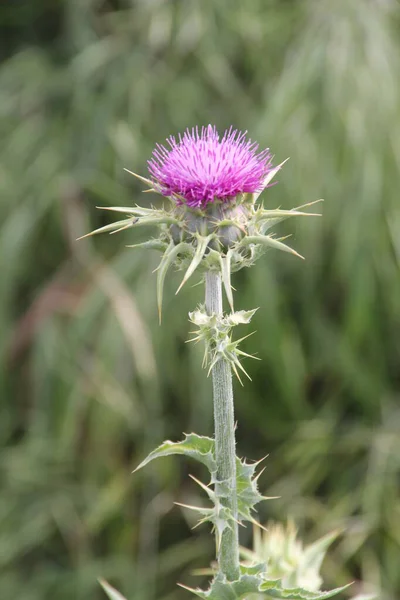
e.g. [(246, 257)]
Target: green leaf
[(195, 446), (202, 448), (226, 276), (270, 218), (221, 589), (276, 590), (167, 259), (241, 317), (110, 591), (247, 491), (197, 258)]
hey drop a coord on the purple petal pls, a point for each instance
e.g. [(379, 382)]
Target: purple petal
[(201, 168)]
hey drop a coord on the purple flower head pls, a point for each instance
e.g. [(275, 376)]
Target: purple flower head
[(201, 168)]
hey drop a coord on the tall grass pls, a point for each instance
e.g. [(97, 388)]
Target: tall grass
[(89, 382)]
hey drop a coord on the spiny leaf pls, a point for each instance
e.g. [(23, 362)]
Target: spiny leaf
[(226, 276), (241, 317), (110, 591), (246, 487), (228, 590), (167, 259), (198, 255), (267, 241), (195, 446), (202, 448), (248, 584), (276, 590), (270, 221)]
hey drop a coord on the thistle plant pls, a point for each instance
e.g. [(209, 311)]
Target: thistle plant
[(213, 223)]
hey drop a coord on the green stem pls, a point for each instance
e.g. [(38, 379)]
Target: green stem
[(228, 551)]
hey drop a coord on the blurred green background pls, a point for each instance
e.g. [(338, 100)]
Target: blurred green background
[(89, 381)]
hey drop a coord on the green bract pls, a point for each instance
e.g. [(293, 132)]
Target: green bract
[(225, 236), (215, 331)]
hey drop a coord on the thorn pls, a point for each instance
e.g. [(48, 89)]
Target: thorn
[(201, 522), (185, 587), (236, 342), (138, 468), (139, 177), (248, 355), (258, 462), (309, 204), (195, 340), (209, 492), (202, 572), (241, 367), (256, 478), (196, 508), (257, 524), (240, 523), (271, 497), (236, 373)]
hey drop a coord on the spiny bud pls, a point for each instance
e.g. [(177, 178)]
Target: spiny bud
[(286, 558)]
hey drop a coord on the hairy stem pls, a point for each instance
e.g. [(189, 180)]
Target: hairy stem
[(225, 489)]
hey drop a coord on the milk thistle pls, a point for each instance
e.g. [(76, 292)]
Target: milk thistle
[(212, 223)]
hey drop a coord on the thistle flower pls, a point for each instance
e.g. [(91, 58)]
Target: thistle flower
[(200, 168), (213, 221)]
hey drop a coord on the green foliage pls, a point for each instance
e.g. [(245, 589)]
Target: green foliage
[(195, 446), (249, 585), (202, 449), (286, 558), (215, 332), (89, 382)]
